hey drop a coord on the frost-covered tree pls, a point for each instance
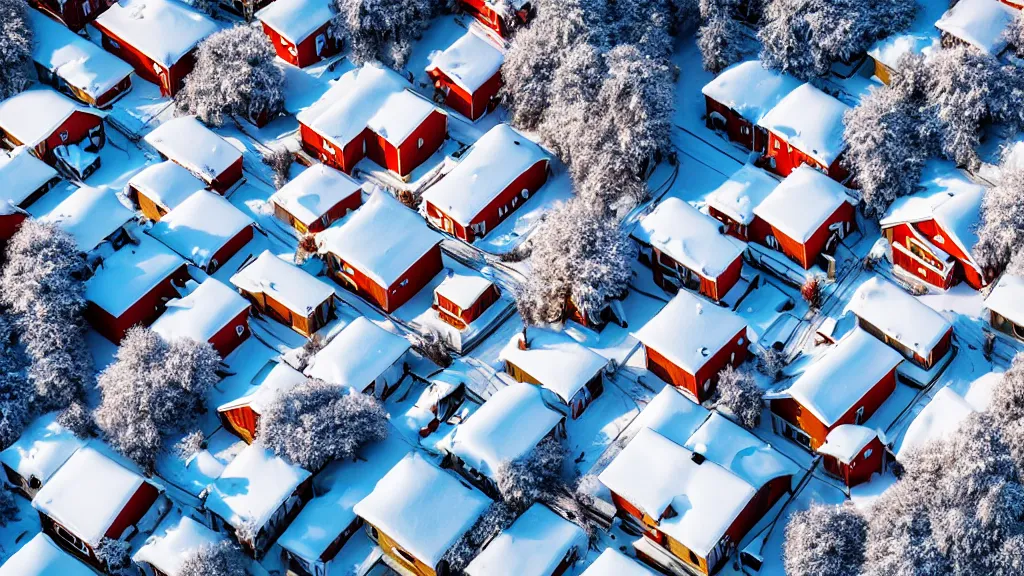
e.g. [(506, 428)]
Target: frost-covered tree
[(1007, 404), (152, 390), (280, 162), (1014, 35), (8, 507), (235, 76), (825, 541), (42, 284), (722, 42), (223, 559), (115, 556), (497, 517), (382, 30), (316, 422), (190, 444), (532, 477), (770, 362), (738, 393), (16, 39), (77, 419), (646, 24), (1001, 230), (16, 392)]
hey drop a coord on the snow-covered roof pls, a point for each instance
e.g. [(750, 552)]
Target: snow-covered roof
[(734, 448), (89, 214), (470, 61), (383, 238), (296, 20), (253, 486), (653, 473), (163, 30), (508, 425), (166, 183), (802, 203), (708, 328), (43, 447), (422, 508), (837, 380), (750, 89), (339, 487), (672, 415), (41, 557), (1007, 298), (810, 121), (463, 290), (315, 191), (980, 23), (744, 191), (200, 226), (921, 38), (32, 116), (689, 237), (81, 63), (284, 282), (490, 166), (186, 141), (371, 97), (611, 562), (899, 315), (534, 545), (278, 380), (174, 539), (357, 355), (198, 471), (129, 274), (554, 359), (22, 174), (940, 419), (201, 314), (846, 441), (88, 493)]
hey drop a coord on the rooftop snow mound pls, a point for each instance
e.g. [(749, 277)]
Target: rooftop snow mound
[(174, 540), (534, 545), (750, 89), (673, 415), (22, 174), (31, 116), (200, 226), (846, 441), (939, 419), (554, 359), (357, 355), (284, 282), (163, 30), (166, 183), (802, 203), (253, 486), (201, 314), (736, 449), (744, 191), (81, 63), (1007, 298), (980, 23), (899, 315), (188, 142), (690, 237), (43, 447), (470, 62), (611, 562), (296, 20), (41, 557), (89, 214), (810, 121), (463, 290), (129, 274), (280, 379), (315, 191)]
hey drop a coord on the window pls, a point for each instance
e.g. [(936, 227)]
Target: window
[(860, 415), (868, 452), (330, 149), (71, 539), (693, 558), (114, 44), (404, 556), (707, 385), (525, 193), (419, 143), (239, 329), (938, 239), (777, 145)]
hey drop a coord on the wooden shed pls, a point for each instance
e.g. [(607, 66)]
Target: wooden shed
[(316, 198), (979, 24), (462, 298), (74, 14), (186, 141), (740, 96), (172, 542), (734, 201), (205, 229), (806, 127), (41, 557), (49, 123), (286, 293), (853, 453), (212, 313), (467, 75), (94, 217), (159, 188), (300, 30), (242, 415)]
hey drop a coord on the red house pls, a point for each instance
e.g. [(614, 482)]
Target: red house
[(733, 202), (49, 124), (286, 293), (74, 14), (316, 198), (740, 96), (383, 251), (204, 229), (806, 127), (132, 287), (92, 216), (212, 313), (371, 113), (93, 497), (502, 16), (468, 75), (844, 386), (690, 341), (462, 298), (26, 179), (496, 176), (687, 249), (853, 453), (242, 415), (300, 30), (186, 142), (157, 37), (806, 215), (933, 232)]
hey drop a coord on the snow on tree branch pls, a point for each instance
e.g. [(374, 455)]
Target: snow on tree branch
[(738, 393), (721, 41), (8, 507), (1001, 230), (223, 559), (532, 477), (382, 30), (16, 392), (825, 541), (16, 38)]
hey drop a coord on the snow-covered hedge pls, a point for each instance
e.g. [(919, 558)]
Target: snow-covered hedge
[(16, 71)]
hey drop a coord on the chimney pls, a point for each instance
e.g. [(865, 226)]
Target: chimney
[(697, 458)]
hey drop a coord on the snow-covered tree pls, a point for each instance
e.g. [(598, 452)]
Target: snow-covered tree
[(16, 71), (382, 30), (235, 76), (152, 390), (722, 42), (810, 291), (115, 556), (532, 477), (77, 419), (1014, 34), (434, 347), (16, 392), (223, 559), (8, 507), (190, 444), (497, 517), (646, 24), (825, 541), (1007, 404), (1001, 230), (280, 162), (316, 423), (738, 393), (42, 284), (770, 362)]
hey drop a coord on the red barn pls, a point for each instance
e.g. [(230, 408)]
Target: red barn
[(808, 214), (462, 298), (26, 179), (468, 75), (300, 30), (806, 127), (212, 313), (687, 249), (740, 96), (93, 497), (933, 232), (844, 386), (157, 37), (199, 150), (502, 16), (733, 202), (205, 229), (383, 251), (159, 188), (242, 415), (74, 14), (316, 198), (49, 124), (132, 287), (286, 293), (853, 453), (371, 113), (496, 176), (690, 341)]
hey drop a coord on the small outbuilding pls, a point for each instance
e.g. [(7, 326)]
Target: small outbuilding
[(41, 557), (363, 356), (316, 198), (58, 130), (467, 74), (806, 127), (212, 313), (853, 453), (242, 415), (205, 229), (159, 188), (92, 216), (41, 449), (740, 96), (538, 543), (301, 31), (186, 141), (462, 298), (286, 293), (173, 541), (1005, 304), (733, 203), (26, 179)]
